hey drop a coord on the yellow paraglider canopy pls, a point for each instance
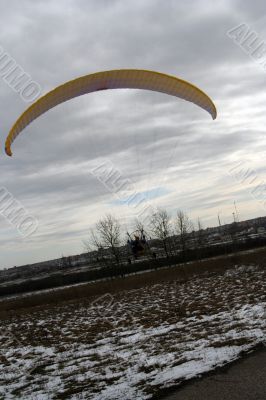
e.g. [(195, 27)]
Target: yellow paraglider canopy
[(116, 79)]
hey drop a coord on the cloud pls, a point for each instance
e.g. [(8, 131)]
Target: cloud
[(155, 140)]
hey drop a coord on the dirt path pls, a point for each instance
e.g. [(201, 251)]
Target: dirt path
[(245, 380)]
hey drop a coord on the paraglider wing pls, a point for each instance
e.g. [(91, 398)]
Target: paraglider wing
[(116, 79)]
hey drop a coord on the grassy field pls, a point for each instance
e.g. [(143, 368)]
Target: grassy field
[(134, 281), (137, 339)]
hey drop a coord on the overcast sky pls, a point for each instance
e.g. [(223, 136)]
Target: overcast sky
[(174, 154)]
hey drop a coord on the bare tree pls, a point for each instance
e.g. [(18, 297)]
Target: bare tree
[(161, 228), (94, 243), (138, 225), (183, 227), (109, 232), (106, 237), (145, 235)]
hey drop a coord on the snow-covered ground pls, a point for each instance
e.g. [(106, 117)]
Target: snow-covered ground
[(131, 344)]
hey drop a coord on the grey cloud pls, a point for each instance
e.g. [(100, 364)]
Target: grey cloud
[(153, 139)]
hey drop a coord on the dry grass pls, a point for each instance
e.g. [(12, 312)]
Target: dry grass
[(180, 273), (148, 331)]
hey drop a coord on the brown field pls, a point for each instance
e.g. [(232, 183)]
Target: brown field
[(132, 338), (179, 272)]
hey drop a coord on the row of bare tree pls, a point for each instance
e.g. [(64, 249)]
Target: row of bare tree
[(107, 236)]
